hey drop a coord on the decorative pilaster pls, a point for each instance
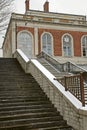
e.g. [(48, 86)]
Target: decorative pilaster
[(36, 39)]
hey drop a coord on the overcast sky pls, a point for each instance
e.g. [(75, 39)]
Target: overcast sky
[(60, 6)]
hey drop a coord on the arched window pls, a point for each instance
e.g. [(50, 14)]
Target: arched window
[(67, 45), (84, 46), (47, 43), (25, 43)]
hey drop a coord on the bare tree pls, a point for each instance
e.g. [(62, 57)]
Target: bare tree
[(6, 7)]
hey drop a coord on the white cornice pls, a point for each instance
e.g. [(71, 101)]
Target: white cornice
[(55, 15), (54, 26)]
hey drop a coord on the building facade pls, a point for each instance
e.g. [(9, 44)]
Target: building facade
[(58, 34)]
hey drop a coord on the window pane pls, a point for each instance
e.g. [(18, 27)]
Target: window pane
[(47, 43), (67, 45), (84, 45), (25, 43)]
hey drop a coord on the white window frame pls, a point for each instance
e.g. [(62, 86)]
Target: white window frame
[(72, 48), (82, 46), (51, 41), (25, 31)]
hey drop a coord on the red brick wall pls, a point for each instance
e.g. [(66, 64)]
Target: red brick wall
[(25, 28), (57, 39)]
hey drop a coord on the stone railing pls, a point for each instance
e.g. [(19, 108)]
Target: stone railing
[(22, 59), (73, 68), (51, 60), (68, 106), (62, 67)]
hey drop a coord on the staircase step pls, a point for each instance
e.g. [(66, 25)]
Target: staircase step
[(28, 115), (39, 124), (21, 111), (29, 120), (22, 99), (26, 107), (34, 97), (57, 128), (23, 104)]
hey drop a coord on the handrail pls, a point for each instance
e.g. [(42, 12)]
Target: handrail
[(73, 68), (62, 67), (75, 85), (51, 60)]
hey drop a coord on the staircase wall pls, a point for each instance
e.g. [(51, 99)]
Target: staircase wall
[(22, 59), (65, 102)]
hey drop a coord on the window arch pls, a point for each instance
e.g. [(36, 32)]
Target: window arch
[(47, 43), (84, 45), (67, 45), (24, 42)]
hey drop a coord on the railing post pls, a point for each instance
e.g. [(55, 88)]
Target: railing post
[(82, 90), (65, 78)]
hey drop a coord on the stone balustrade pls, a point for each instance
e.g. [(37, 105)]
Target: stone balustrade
[(68, 106)]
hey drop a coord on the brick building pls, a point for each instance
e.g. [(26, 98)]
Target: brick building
[(58, 34)]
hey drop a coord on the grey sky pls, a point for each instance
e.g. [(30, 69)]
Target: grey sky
[(60, 6)]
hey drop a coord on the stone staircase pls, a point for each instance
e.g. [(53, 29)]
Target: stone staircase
[(23, 104)]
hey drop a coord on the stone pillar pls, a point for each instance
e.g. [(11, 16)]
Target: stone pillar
[(14, 37), (36, 40)]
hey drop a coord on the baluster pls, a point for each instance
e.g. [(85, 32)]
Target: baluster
[(65, 80), (82, 90)]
